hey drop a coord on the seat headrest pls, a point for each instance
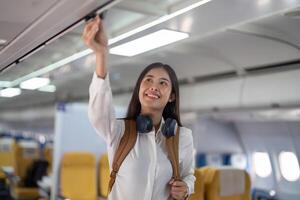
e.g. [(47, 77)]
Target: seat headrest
[(6, 144), (78, 159), (232, 181), (28, 144)]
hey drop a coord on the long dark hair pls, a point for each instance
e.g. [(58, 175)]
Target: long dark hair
[(171, 109)]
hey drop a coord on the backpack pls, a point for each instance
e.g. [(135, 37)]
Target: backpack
[(127, 143)]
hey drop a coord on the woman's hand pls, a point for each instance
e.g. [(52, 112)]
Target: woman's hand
[(178, 190), (94, 36)]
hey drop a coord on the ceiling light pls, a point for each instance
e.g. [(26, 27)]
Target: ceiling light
[(148, 42), (10, 92), (158, 21), (2, 41), (34, 83), (48, 88)]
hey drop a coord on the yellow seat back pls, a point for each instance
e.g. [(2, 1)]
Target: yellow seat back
[(26, 153), (199, 186), (226, 184), (78, 176), (7, 154), (104, 176)]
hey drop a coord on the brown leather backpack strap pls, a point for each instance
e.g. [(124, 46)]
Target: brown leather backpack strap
[(126, 144), (172, 145)]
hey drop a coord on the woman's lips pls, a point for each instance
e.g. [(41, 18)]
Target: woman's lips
[(152, 95)]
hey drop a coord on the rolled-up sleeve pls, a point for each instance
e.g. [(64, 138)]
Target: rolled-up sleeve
[(187, 160), (101, 112)]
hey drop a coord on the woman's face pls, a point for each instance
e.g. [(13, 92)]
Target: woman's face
[(155, 90)]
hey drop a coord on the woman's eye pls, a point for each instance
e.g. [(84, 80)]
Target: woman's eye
[(163, 83)]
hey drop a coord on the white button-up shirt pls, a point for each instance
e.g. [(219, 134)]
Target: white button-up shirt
[(146, 171)]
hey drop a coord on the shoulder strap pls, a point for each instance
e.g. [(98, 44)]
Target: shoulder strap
[(172, 145), (126, 144)]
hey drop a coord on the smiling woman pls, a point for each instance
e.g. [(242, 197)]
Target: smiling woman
[(159, 82), (146, 171)]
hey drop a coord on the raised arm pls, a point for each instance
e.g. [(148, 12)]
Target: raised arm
[(101, 112), (94, 37)]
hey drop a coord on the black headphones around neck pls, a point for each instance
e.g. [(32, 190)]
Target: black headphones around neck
[(145, 125)]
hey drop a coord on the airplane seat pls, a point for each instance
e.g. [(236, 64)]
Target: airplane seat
[(25, 154), (104, 176), (7, 146), (226, 183), (78, 176), (199, 186)]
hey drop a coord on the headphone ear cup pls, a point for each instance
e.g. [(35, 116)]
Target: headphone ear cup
[(144, 124), (170, 127)]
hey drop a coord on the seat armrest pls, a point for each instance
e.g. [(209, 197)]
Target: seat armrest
[(9, 174)]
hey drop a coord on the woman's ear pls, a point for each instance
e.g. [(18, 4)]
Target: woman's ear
[(172, 97)]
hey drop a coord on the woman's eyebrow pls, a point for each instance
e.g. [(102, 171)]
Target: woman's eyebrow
[(165, 79)]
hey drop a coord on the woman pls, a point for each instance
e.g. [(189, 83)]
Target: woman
[(146, 172)]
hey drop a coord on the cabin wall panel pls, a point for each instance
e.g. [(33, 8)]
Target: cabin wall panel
[(215, 137), (272, 137)]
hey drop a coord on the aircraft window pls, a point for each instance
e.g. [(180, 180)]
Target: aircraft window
[(289, 166), (262, 164), (239, 161)]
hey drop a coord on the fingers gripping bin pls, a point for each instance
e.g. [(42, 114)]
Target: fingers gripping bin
[(103, 176), (199, 186), (226, 184), (78, 179)]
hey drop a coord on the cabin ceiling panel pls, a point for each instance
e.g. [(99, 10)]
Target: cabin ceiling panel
[(246, 51), (16, 16)]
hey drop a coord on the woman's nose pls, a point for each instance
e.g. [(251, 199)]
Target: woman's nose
[(153, 88)]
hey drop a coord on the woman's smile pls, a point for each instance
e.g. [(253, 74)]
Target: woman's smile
[(152, 94)]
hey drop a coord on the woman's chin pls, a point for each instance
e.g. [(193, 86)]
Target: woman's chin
[(151, 106)]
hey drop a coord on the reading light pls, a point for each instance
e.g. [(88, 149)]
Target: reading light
[(34, 83), (10, 92)]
